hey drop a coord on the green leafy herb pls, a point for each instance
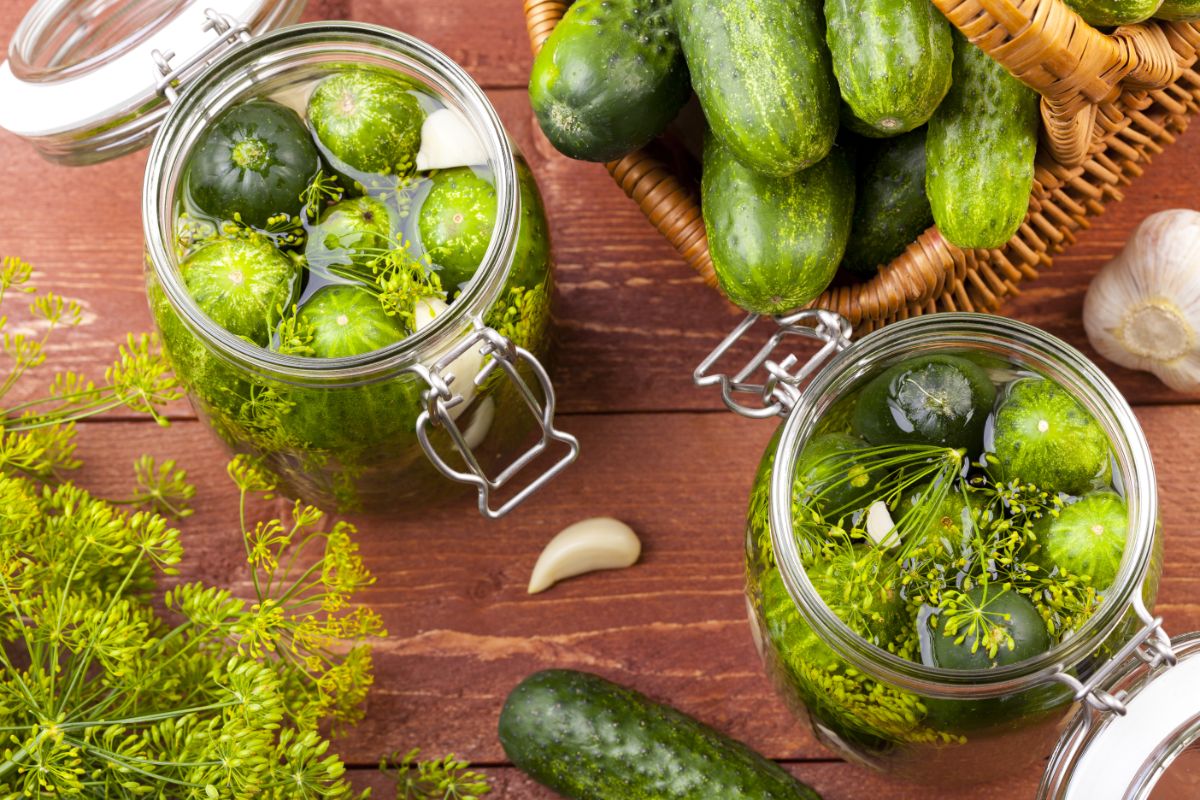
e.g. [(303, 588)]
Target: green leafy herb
[(446, 778)]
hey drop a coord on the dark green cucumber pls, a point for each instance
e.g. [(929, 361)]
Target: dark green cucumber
[(892, 59), (589, 739), (609, 79), (891, 209), (761, 70), (979, 151), (775, 242), (1115, 12), (1186, 10)]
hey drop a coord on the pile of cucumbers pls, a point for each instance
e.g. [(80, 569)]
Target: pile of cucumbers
[(838, 130)]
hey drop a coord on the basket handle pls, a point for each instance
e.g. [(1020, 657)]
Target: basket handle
[(1073, 66)]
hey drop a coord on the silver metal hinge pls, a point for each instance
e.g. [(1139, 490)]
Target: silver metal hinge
[(781, 389), (1151, 644), (441, 397), (230, 32)]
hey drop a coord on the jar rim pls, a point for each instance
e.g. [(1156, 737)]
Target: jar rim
[(1086, 380), (270, 55)]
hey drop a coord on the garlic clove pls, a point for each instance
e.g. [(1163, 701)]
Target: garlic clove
[(880, 526), (1142, 311), (464, 368), (447, 140), (592, 544)]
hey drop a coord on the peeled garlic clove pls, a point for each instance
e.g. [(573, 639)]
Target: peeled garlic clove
[(448, 141), (1142, 310), (464, 368), (880, 527), (593, 544)]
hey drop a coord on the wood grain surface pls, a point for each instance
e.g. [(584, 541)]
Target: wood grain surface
[(632, 323)]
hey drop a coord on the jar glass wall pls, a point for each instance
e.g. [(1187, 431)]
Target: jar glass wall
[(902, 717), (343, 431)]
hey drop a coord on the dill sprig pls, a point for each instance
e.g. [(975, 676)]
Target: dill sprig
[(37, 436), (446, 778)]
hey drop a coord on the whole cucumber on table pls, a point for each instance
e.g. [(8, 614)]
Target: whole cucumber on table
[(892, 59), (979, 151), (1186, 10), (609, 78), (590, 739), (891, 209), (775, 242), (1115, 12), (761, 70)]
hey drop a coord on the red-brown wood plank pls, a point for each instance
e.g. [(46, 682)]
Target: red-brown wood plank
[(462, 630)]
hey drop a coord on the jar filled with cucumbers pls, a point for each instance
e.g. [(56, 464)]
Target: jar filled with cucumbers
[(349, 266), (953, 532)]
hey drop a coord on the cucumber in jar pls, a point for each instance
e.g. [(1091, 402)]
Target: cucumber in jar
[(368, 121), (1044, 437), (252, 163), (244, 284), (938, 399), (350, 236)]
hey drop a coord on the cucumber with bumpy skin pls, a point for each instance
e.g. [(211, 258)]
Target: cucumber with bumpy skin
[(762, 72), (1184, 10), (775, 242), (891, 208), (590, 739), (609, 78), (979, 151), (1115, 12), (892, 59)]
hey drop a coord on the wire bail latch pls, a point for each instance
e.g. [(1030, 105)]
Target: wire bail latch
[(441, 398), (781, 389), (230, 32)]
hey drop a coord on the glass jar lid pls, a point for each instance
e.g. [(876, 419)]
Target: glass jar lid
[(89, 80), (1148, 747)]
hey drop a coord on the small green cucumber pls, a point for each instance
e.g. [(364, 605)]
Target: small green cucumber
[(761, 70), (775, 242), (590, 739), (1115, 12), (1181, 10), (979, 151), (892, 59), (609, 78), (891, 210)]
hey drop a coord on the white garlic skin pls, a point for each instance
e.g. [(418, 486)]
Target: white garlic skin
[(1143, 310)]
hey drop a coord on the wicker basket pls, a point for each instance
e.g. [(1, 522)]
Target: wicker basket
[(1110, 101)]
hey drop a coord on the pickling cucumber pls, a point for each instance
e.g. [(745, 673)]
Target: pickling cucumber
[(775, 242), (609, 78), (1115, 12), (761, 70), (590, 739), (1186, 10), (891, 209), (979, 151), (892, 59)]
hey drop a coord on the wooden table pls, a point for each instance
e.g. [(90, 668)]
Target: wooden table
[(658, 453)]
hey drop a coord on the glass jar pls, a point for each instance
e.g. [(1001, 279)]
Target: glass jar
[(912, 721), (457, 399)]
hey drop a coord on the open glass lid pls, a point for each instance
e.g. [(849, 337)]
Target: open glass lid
[(89, 80), (1138, 736)]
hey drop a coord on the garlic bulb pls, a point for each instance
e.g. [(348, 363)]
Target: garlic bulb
[(1143, 310)]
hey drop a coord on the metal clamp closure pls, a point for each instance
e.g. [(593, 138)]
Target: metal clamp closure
[(1151, 644), (782, 387), (230, 31), (440, 398)]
